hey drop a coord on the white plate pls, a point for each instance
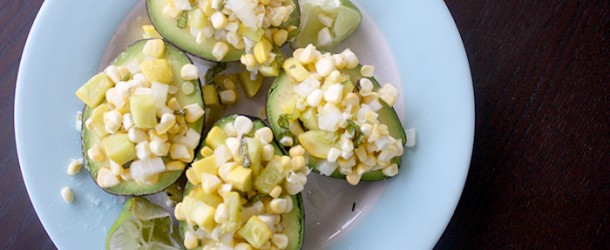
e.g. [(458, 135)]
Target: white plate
[(414, 44)]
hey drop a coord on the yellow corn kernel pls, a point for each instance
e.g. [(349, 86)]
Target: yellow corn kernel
[(206, 151), (67, 195), (220, 50), (175, 166), (280, 37), (262, 50), (295, 69), (192, 176), (353, 179), (276, 192), (149, 31)]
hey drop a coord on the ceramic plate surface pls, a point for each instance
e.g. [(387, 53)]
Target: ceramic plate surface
[(413, 44)]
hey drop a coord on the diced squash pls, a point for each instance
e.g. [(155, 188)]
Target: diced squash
[(119, 148), (143, 111), (271, 176), (216, 137), (206, 165), (250, 87), (157, 70), (256, 232), (210, 199), (241, 178), (210, 95), (94, 91), (317, 142)]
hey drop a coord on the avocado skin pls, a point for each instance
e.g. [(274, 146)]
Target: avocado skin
[(278, 92), (181, 38), (294, 220), (132, 52)]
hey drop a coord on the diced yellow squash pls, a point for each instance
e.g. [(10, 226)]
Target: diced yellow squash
[(256, 232), (251, 33), (143, 111), (210, 96), (233, 203), (216, 137), (119, 148), (206, 165), (93, 92), (210, 199), (255, 154), (97, 120), (199, 213), (250, 87), (241, 178), (317, 142), (271, 176), (309, 119), (192, 176), (157, 70)]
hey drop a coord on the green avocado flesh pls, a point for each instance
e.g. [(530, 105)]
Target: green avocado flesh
[(282, 90), (130, 55), (142, 225), (183, 39), (293, 222)]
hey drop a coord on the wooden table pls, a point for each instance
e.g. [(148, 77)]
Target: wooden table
[(540, 171)]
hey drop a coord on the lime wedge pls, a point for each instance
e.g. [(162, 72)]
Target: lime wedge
[(142, 225), (326, 23)]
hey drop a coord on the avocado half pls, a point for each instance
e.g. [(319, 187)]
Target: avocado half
[(134, 54), (293, 222), (282, 90), (182, 38)]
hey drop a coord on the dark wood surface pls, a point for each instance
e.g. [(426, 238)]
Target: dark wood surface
[(540, 171)]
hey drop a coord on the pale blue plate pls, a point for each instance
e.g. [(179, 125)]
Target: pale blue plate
[(64, 49)]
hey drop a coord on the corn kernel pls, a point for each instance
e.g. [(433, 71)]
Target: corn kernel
[(367, 70), (264, 135), (149, 31), (67, 194), (175, 166), (206, 151), (391, 170), (297, 150), (193, 112), (220, 50), (228, 97), (106, 179), (190, 240), (353, 179), (351, 59), (95, 153), (278, 205), (280, 37), (324, 37), (189, 72), (276, 192), (262, 50), (218, 20), (268, 152), (295, 69), (280, 240), (75, 166)]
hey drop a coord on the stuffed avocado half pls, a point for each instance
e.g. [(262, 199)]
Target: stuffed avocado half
[(225, 30), (242, 192), (333, 107), (143, 118)]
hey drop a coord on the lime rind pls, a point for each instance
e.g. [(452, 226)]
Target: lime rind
[(142, 225)]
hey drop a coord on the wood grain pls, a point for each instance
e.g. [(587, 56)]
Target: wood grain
[(539, 176)]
